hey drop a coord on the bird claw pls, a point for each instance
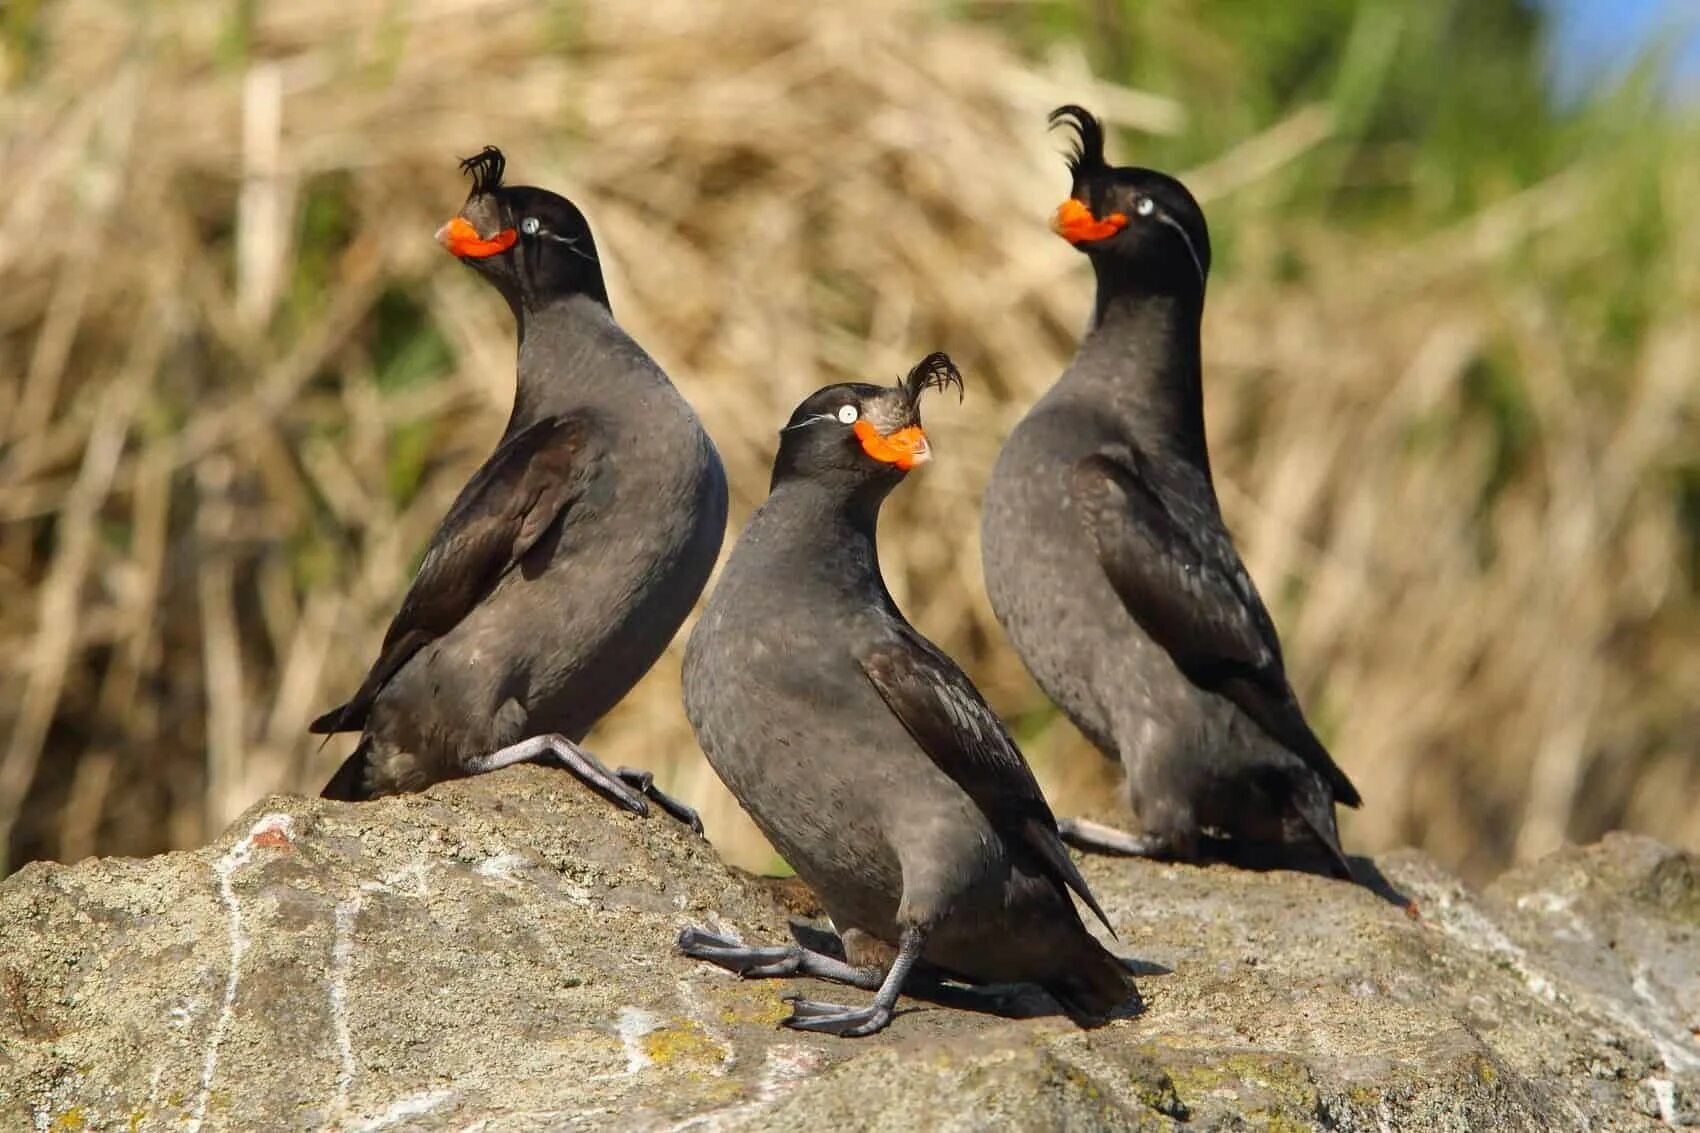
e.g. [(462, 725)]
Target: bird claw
[(614, 790), (624, 799), (644, 782), (739, 959), (835, 1018), (693, 937)]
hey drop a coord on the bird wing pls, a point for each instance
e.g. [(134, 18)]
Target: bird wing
[(960, 733), (1190, 593), (513, 499)]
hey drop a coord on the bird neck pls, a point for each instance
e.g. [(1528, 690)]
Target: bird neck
[(1150, 341), (823, 527), (565, 351)]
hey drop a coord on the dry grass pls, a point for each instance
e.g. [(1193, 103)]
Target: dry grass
[(244, 384)]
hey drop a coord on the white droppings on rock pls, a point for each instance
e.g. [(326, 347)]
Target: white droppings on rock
[(409, 881), (1559, 907), (633, 1025), (399, 1111), (1664, 1094), (270, 830), (1546, 901), (1461, 919), (1666, 1034), (559, 1119), (783, 1066), (695, 1008), (342, 961), (153, 1097), (501, 867), (786, 1065)]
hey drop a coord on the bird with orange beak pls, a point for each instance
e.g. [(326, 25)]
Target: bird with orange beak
[(571, 557), (1110, 568), (865, 755)]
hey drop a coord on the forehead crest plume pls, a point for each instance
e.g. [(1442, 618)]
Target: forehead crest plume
[(935, 371), (486, 168), (1088, 154)]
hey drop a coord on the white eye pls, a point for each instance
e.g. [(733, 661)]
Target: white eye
[(1145, 206), (529, 226), (848, 414)]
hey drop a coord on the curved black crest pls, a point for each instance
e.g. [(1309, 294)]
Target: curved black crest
[(1088, 155), (486, 168), (935, 371)]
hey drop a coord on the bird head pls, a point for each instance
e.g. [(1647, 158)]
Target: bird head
[(533, 245), (1138, 220), (861, 433)]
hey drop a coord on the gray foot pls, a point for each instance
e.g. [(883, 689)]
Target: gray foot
[(1096, 838), (792, 960), (854, 1022), (558, 751), (773, 963), (644, 782), (836, 1019)]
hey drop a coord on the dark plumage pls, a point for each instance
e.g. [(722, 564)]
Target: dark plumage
[(569, 560), (1107, 560), (863, 753)]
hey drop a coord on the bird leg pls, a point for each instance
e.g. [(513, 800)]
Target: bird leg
[(774, 963), (554, 750), (625, 789), (854, 1022), (1096, 838)]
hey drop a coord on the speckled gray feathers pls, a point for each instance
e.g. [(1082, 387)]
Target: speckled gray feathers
[(1109, 566), (571, 558), (866, 756)]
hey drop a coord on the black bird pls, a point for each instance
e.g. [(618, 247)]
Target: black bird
[(569, 560), (863, 752), (1108, 563)]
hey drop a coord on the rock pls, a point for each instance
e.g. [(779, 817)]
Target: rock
[(498, 955)]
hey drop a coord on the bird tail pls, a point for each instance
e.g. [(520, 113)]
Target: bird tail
[(351, 717), (1093, 984), (349, 783), (1315, 806), (342, 718)]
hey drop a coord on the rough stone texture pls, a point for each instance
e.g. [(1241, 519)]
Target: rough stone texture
[(498, 955)]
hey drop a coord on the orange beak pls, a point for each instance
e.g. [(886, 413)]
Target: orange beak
[(905, 448), (460, 238), (1075, 223)]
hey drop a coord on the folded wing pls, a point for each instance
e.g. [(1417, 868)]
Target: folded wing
[(521, 491), (1191, 594)]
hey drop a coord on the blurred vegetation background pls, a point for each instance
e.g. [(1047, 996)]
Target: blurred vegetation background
[(1451, 354)]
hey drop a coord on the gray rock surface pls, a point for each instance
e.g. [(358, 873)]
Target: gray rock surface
[(498, 955)]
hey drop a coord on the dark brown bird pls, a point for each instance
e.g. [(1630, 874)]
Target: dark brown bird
[(568, 562), (864, 754), (1109, 565)]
